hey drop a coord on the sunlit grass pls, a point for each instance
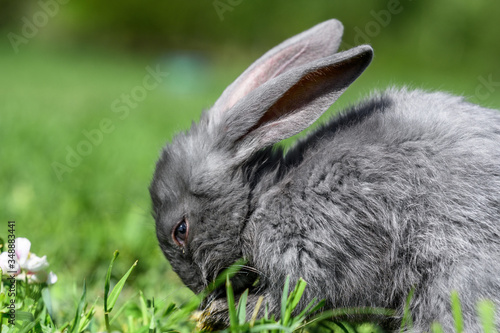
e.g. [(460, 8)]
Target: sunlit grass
[(33, 310)]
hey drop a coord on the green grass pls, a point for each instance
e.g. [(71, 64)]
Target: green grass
[(48, 98), (33, 311)]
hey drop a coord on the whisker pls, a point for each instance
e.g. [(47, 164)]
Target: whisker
[(254, 270)]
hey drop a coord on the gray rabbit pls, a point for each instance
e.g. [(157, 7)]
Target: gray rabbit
[(397, 194)]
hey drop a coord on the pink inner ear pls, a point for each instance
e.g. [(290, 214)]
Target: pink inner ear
[(283, 60), (307, 99)]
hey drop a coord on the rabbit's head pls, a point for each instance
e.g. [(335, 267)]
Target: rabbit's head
[(200, 192)]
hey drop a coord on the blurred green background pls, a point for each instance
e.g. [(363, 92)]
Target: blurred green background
[(67, 67)]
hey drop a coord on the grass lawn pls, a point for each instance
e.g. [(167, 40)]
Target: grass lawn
[(54, 104)]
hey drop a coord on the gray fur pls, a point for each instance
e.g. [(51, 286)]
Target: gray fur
[(400, 192)]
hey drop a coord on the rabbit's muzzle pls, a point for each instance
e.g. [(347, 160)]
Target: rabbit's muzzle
[(214, 307)]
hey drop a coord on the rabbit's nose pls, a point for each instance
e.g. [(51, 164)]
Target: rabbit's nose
[(244, 279)]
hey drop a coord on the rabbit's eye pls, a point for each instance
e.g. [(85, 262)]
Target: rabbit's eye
[(180, 232)]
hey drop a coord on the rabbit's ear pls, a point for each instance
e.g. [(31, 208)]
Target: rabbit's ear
[(318, 42), (292, 101)]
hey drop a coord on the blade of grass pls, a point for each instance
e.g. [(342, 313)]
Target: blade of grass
[(297, 293), (303, 314), (276, 327), (87, 318), (47, 300), (456, 309), (113, 296), (256, 310), (28, 326), (293, 300), (347, 327), (337, 326), (233, 319), (171, 307), (65, 327), (242, 308), (107, 281), (24, 316), (407, 320), (131, 324), (284, 299), (486, 313), (152, 323), (144, 308), (79, 309), (120, 310), (46, 322), (437, 328)]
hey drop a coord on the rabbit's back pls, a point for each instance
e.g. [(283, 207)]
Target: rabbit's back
[(433, 154), (430, 152), (400, 192)]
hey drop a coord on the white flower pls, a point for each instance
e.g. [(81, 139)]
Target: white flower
[(44, 277), (22, 247), (6, 266), (20, 256), (28, 266), (38, 277), (51, 278), (34, 263)]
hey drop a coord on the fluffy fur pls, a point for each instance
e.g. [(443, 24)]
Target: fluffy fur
[(398, 193)]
